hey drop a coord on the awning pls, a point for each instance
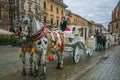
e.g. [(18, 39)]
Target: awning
[(4, 32)]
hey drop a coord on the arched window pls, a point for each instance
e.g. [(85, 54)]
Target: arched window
[(61, 12), (51, 7), (57, 22), (36, 10), (29, 8), (44, 4), (44, 19), (57, 10), (22, 6), (116, 25), (51, 21)]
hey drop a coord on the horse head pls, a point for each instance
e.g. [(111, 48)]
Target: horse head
[(25, 28), (22, 29)]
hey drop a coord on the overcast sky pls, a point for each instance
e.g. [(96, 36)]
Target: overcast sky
[(97, 10)]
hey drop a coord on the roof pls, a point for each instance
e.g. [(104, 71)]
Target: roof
[(117, 6), (80, 17), (61, 3)]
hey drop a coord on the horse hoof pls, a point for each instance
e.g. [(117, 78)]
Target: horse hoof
[(35, 74), (30, 73), (42, 77), (60, 68), (24, 73)]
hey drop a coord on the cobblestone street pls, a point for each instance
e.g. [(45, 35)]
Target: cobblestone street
[(101, 66), (107, 69)]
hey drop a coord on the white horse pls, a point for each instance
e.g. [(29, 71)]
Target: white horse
[(36, 38)]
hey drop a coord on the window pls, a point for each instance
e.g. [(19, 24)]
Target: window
[(9, 14), (14, 16), (0, 12), (61, 12), (57, 10), (44, 19), (22, 6), (29, 8), (44, 4), (36, 1), (74, 19), (13, 1), (116, 25), (57, 23), (36, 10), (60, 0), (51, 7), (51, 21), (80, 30)]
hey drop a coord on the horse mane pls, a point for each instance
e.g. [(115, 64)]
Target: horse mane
[(36, 26)]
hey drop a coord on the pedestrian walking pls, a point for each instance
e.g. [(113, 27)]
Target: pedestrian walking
[(63, 24)]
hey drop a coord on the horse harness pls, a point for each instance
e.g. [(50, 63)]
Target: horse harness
[(53, 37)]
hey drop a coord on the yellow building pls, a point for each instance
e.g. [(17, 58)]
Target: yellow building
[(47, 11), (74, 19), (52, 11)]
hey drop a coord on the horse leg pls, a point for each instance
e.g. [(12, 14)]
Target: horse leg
[(43, 65), (97, 47), (60, 61), (100, 47), (24, 66), (36, 65), (30, 73)]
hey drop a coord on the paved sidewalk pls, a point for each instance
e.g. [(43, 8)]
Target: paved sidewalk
[(107, 69)]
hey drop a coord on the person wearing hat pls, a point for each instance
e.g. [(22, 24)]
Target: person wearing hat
[(63, 24)]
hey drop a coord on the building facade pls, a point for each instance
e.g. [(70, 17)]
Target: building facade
[(47, 11), (30, 8), (8, 12), (52, 11), (74, 19), (92, 27), (114, 25)]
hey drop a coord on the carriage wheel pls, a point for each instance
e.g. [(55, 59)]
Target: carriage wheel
[(77, 54)]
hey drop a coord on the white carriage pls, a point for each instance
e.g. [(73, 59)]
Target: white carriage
[(78, 42)]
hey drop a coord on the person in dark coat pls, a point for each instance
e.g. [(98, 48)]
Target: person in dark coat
[(63, 24)]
